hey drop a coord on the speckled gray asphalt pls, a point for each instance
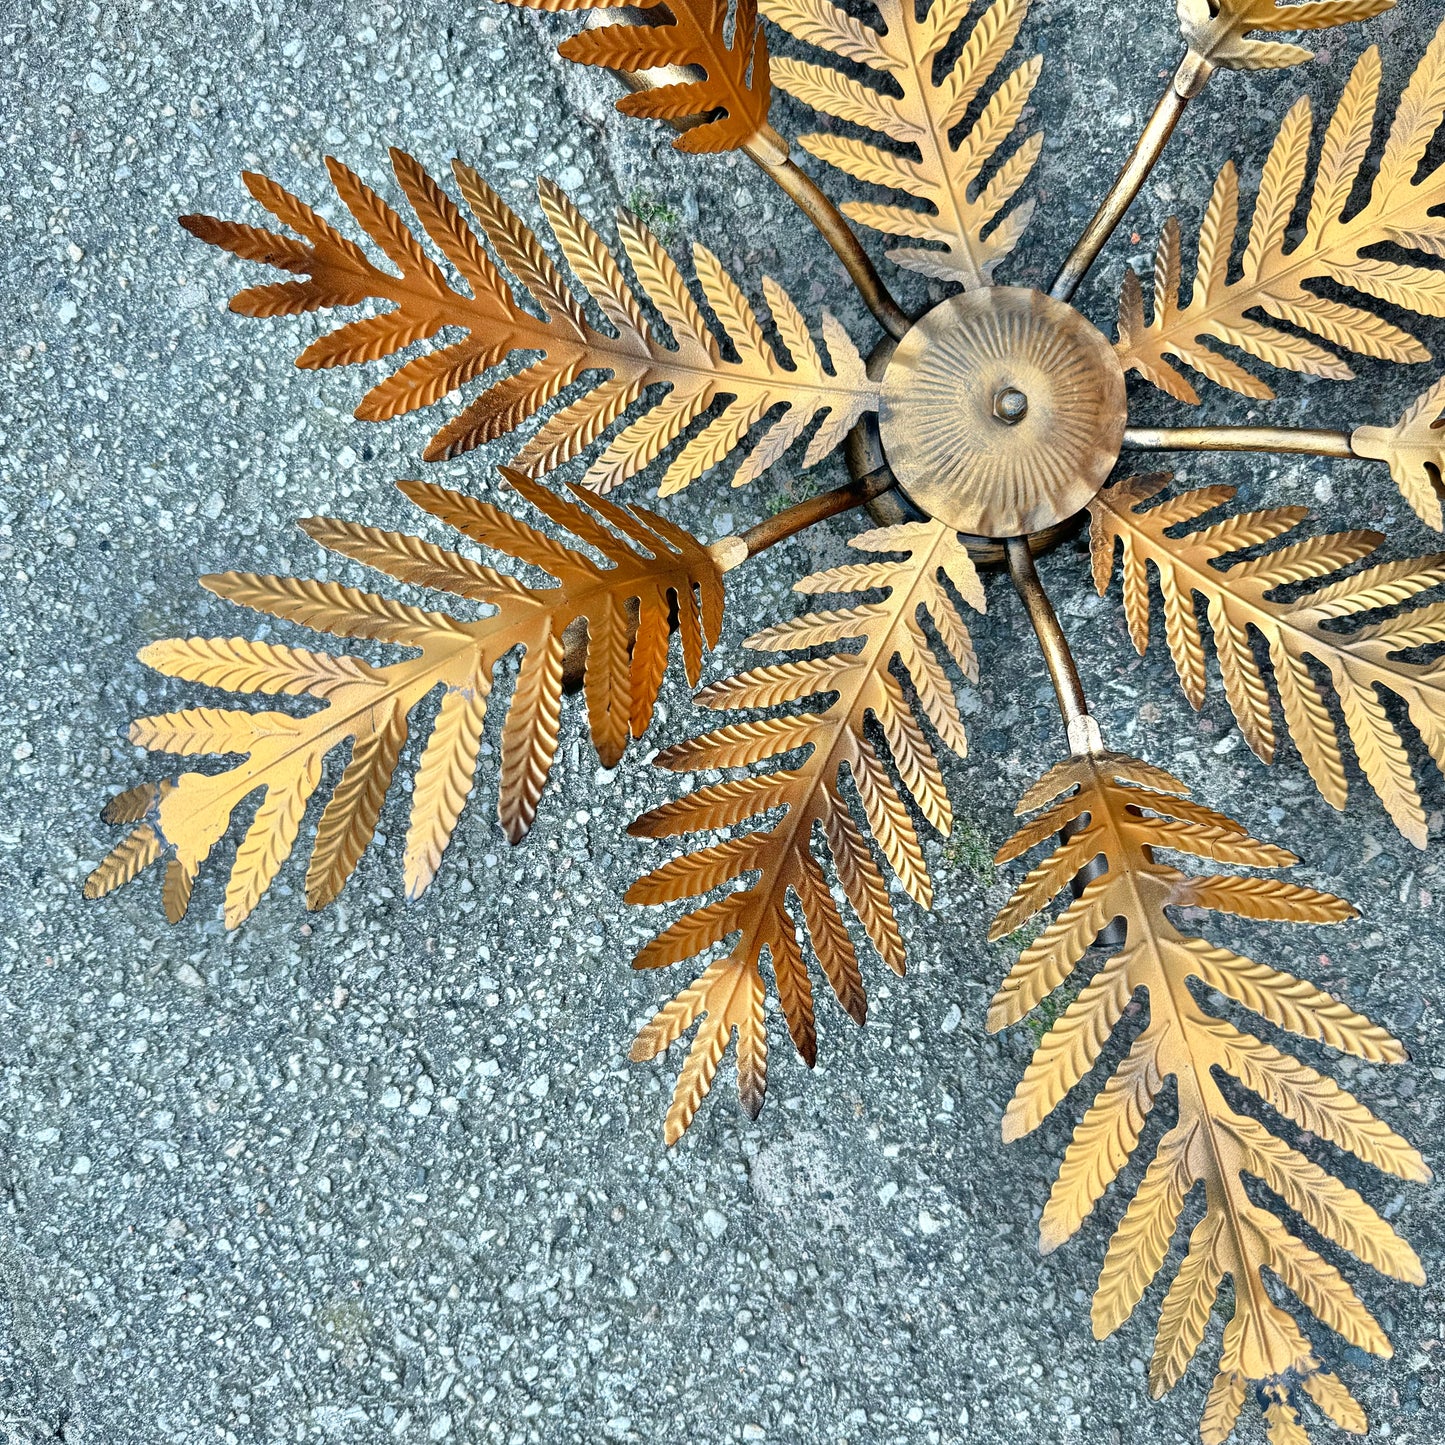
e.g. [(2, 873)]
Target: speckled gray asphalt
[(385, 1172)]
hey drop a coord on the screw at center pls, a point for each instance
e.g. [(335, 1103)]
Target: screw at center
[(1010, 405)]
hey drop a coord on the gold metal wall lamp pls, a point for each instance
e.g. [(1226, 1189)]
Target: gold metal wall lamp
[(980, 431)]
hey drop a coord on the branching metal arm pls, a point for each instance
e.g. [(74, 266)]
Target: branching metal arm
[(732, 551), (813, 202), (1220, 34), (1063, 670), (1294, 441), (1413, 448), (1188, 81), (769, 152)]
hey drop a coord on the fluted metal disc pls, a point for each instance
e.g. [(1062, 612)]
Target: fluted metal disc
[(955, 378)]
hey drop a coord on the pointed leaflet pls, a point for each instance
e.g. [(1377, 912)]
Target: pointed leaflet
[(1219, 30), (605, 372), (1120, 812), (1275, 275), (1414, 450), (831, 736), (726, 108), (963, 223), (653, 564), (1241, 601)]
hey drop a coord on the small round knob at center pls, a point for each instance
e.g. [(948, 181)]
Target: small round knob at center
[(1010, 405)]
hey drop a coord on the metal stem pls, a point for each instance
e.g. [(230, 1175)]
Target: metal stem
[(1063, 671), (1083, 730), (798, 518), (809, 198), (769, 152), (1188, 81), (1293, 440), (733, 551)]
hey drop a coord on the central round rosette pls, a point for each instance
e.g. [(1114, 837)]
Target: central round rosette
[(1003, 411)]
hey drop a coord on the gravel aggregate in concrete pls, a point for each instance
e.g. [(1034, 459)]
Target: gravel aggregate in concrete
[(384, 1173)]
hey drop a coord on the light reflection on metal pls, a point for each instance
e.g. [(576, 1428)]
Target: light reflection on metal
[(952, 451)]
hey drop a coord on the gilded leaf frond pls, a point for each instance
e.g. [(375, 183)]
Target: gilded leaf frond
[(1274, 275), (1414, 450), (651, 565), (1120, 812), (812, 794), (725, 108), (965, 230), (1219, 30), (1240, 601), (628, 373)]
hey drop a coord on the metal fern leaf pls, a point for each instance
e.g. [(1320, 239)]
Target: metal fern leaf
[(934, 575), (1223, 31), (1240, 600), (1119, 813), (967, 228), (629, 381), (1274, 275), (654, 568), (725, 107)]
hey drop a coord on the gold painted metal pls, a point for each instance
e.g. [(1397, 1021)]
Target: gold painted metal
[(733, 551), (723, 105), (1414, 450), (655, 565), (797, 185), (863, 452), (952, 452), (622, 363), (1239, 600), (1063, 670), (809, 197), (832, 736), (1216, 32), (1275, 273), (1224, 32), (1188, 81), (945, 176), (1000, 411), (802, 515), (1118, 811), (1282, 440)]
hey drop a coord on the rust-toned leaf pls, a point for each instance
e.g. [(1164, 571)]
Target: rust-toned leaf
[(627, 366), (813, 796), (653, 565), (722, 110), (1121, 812)]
